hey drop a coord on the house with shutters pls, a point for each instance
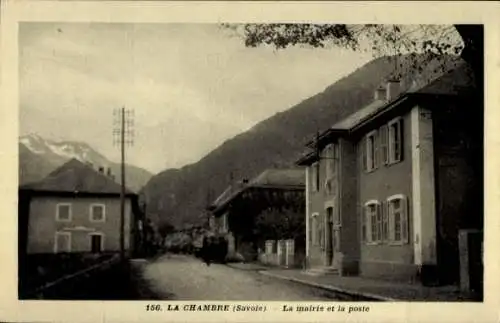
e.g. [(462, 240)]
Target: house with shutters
[(389, 187), (76, 209)]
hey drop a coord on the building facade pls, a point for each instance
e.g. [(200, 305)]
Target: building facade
[(76, 209), (389, 187)]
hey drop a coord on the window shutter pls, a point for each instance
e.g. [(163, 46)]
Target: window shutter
[(400, 142), (367, 219), (385, 221), (379, 222), (384, 151), (317, 176), (363, 148), (376, 149), (404, 220), (390, 215)]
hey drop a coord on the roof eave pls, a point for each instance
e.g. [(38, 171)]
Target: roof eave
[(325, 135), (307, 160), (388, 107)]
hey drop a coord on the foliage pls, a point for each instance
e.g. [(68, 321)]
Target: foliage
[(274, 224), (378, 39), (268, 213)]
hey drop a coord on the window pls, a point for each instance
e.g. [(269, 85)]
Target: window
[(63, 212), (97, 213), (62, 242), (384, 149), (315, 176), (224, 224), (398, 219), (371, 151), (372, 222), (96, 242), (395, 140), (330, 160)]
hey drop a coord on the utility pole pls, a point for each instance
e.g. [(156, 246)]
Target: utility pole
[(123, 135), (318, 159)]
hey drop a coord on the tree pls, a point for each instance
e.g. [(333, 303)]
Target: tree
[(464, 40)]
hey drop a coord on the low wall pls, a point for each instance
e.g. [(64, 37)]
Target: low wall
[(282, 253)]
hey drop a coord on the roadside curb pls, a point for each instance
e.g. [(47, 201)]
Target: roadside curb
[(331, 288), (256, 268)]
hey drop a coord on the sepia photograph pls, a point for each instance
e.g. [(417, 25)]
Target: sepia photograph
[(297, 162), (175, 161)]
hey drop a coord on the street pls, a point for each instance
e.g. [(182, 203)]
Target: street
[(176, 277)]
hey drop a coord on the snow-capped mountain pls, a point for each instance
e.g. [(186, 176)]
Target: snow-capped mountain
[(39, 156), (63, 150)]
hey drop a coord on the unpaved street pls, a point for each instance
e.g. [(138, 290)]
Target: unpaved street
[(187, 278)]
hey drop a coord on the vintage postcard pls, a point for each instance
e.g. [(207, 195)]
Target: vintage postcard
[(249, 161)]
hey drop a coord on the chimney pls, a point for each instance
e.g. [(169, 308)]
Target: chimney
[(393, 89), (101, 170), (380, 93)]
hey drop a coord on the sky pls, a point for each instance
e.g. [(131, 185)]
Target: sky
[(191, 86)]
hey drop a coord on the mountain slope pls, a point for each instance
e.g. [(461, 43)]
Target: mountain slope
[(39, 156), (180, 196)]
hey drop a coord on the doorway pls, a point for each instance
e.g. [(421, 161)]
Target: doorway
[(329, 237), (96, 243)]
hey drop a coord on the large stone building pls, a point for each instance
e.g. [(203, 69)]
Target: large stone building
[(389, 187)]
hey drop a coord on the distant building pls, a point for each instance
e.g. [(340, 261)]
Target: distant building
[(75, 209), (239, 213), (389, 187)]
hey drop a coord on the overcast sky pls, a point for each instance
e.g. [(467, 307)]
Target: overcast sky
[(192, 86)]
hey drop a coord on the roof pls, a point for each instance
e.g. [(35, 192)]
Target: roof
[(307, 159), (350, 121), (76, 177), (291, 179), (448, 83), (451, 83)]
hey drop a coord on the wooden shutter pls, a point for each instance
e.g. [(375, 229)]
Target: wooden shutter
[(376, 149), (379, 222), (385, 221), (405, 232), (384, 146), (390, 216), (363, 225), (362, 148), (368, 220), (401, 140)]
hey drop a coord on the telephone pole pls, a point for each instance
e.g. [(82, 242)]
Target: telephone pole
[(123, 135)]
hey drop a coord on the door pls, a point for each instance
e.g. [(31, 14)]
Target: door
[(329, 236), (96, 243)]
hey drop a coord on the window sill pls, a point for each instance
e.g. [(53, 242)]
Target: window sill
[(64, 221), (97, 221)]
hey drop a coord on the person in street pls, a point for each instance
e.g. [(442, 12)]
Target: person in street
[(205, 250)]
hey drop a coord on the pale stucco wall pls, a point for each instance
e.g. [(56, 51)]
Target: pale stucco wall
[(43, 225)]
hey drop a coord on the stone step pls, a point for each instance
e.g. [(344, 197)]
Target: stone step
[(321, 271)]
